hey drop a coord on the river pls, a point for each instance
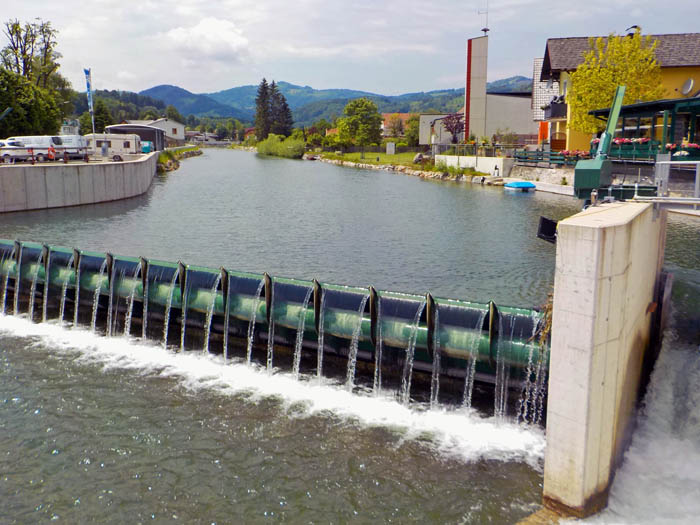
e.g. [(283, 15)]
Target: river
[(117, 430)]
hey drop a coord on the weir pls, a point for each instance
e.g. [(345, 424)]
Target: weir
[(417, 346)]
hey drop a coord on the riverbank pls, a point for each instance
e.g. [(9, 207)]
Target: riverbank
[(169, 159)]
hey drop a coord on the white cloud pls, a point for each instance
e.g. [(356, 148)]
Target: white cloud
[(387, 46), (210, 39)]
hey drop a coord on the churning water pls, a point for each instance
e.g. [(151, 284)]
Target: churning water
[(118, 430)]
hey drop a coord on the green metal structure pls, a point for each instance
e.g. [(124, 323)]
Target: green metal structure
[(595, 173), (168, 299)]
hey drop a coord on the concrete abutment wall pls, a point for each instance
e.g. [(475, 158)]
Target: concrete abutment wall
[(609, 259), (55, 185)]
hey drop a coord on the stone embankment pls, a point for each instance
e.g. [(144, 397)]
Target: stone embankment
[(399, 169), (173, 162)]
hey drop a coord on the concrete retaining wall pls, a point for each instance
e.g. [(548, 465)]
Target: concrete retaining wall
[(608, 262), (55, 185), (482, 164), (548, 175)]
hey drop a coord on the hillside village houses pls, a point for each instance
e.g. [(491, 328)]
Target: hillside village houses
[(677, 54)]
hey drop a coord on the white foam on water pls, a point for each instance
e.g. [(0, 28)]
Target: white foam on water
[(659, 480), (457, 433)]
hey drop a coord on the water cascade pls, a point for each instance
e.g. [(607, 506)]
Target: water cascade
[(414, 346), (300, 333), (96, 295), (410, 352), (69, 266), (130, 301), (352, 357), (7, 256), (47, 280), (251, 322), (435, 372), (210, 314)]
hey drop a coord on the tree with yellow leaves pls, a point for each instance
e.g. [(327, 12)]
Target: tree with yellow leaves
[(613, 61)]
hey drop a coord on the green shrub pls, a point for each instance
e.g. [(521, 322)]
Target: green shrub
[(278, 146)]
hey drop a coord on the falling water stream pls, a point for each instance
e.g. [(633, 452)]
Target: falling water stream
[(300, 333), (45, 302), (96, 295), (471, 364), (130, 301), (32, 290), (251, 322), (354, 342), (210, 313), (410, 352), (64, 290), (435, 371), (168, 306)]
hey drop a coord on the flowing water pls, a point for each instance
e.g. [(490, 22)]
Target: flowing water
[(251, 323), (96, 295), (471, 365), (210, 313), (168, 306), (64, 289), (352, 356), (300, 332), (130, 301), (96, 429), (408, 363)]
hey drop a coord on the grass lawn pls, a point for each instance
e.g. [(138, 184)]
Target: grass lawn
[(403, 159)]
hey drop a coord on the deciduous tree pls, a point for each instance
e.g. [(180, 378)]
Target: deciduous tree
[(616, 60), (361, 123), (34, 110), (172, 113), (454, 123), (395, 125), (412, 130)]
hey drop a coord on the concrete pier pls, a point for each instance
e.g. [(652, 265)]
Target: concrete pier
[(55, 185), (608, 262)]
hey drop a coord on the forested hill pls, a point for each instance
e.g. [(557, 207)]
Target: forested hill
[(188, 103), (122, 105), (309, 105)]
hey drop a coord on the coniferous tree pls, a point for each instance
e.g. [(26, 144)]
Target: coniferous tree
[(262, 111), (281, 121)]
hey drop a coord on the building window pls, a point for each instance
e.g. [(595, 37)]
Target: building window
[(174, 131)]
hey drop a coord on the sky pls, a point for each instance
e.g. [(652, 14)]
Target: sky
[(388, 47)]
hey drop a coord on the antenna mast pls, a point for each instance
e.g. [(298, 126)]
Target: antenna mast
[(485, 12)]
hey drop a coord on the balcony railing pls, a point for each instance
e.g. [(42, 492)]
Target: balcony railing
[(555, 110)]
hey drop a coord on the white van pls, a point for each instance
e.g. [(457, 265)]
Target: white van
[(116, 144), (74, 145), (40, 145)]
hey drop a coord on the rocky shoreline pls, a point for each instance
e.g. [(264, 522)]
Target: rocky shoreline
[(437, 175), (174, 163)]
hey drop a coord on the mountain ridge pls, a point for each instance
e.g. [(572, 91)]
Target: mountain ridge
[(309, 105)]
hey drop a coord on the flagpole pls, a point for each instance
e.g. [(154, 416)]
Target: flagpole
[(88, 80)]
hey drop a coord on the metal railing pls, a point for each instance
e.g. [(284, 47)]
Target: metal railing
[(661, 175), (477, 150)]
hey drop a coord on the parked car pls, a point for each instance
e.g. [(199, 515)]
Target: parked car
[(12, 151), (44, 147)]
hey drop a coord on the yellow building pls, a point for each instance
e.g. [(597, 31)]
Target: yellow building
[(677, 54)]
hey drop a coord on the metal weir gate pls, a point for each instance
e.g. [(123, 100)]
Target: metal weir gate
[(378, 339)]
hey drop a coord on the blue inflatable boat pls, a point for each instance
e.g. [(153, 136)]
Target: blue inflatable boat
[(524, 186)]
